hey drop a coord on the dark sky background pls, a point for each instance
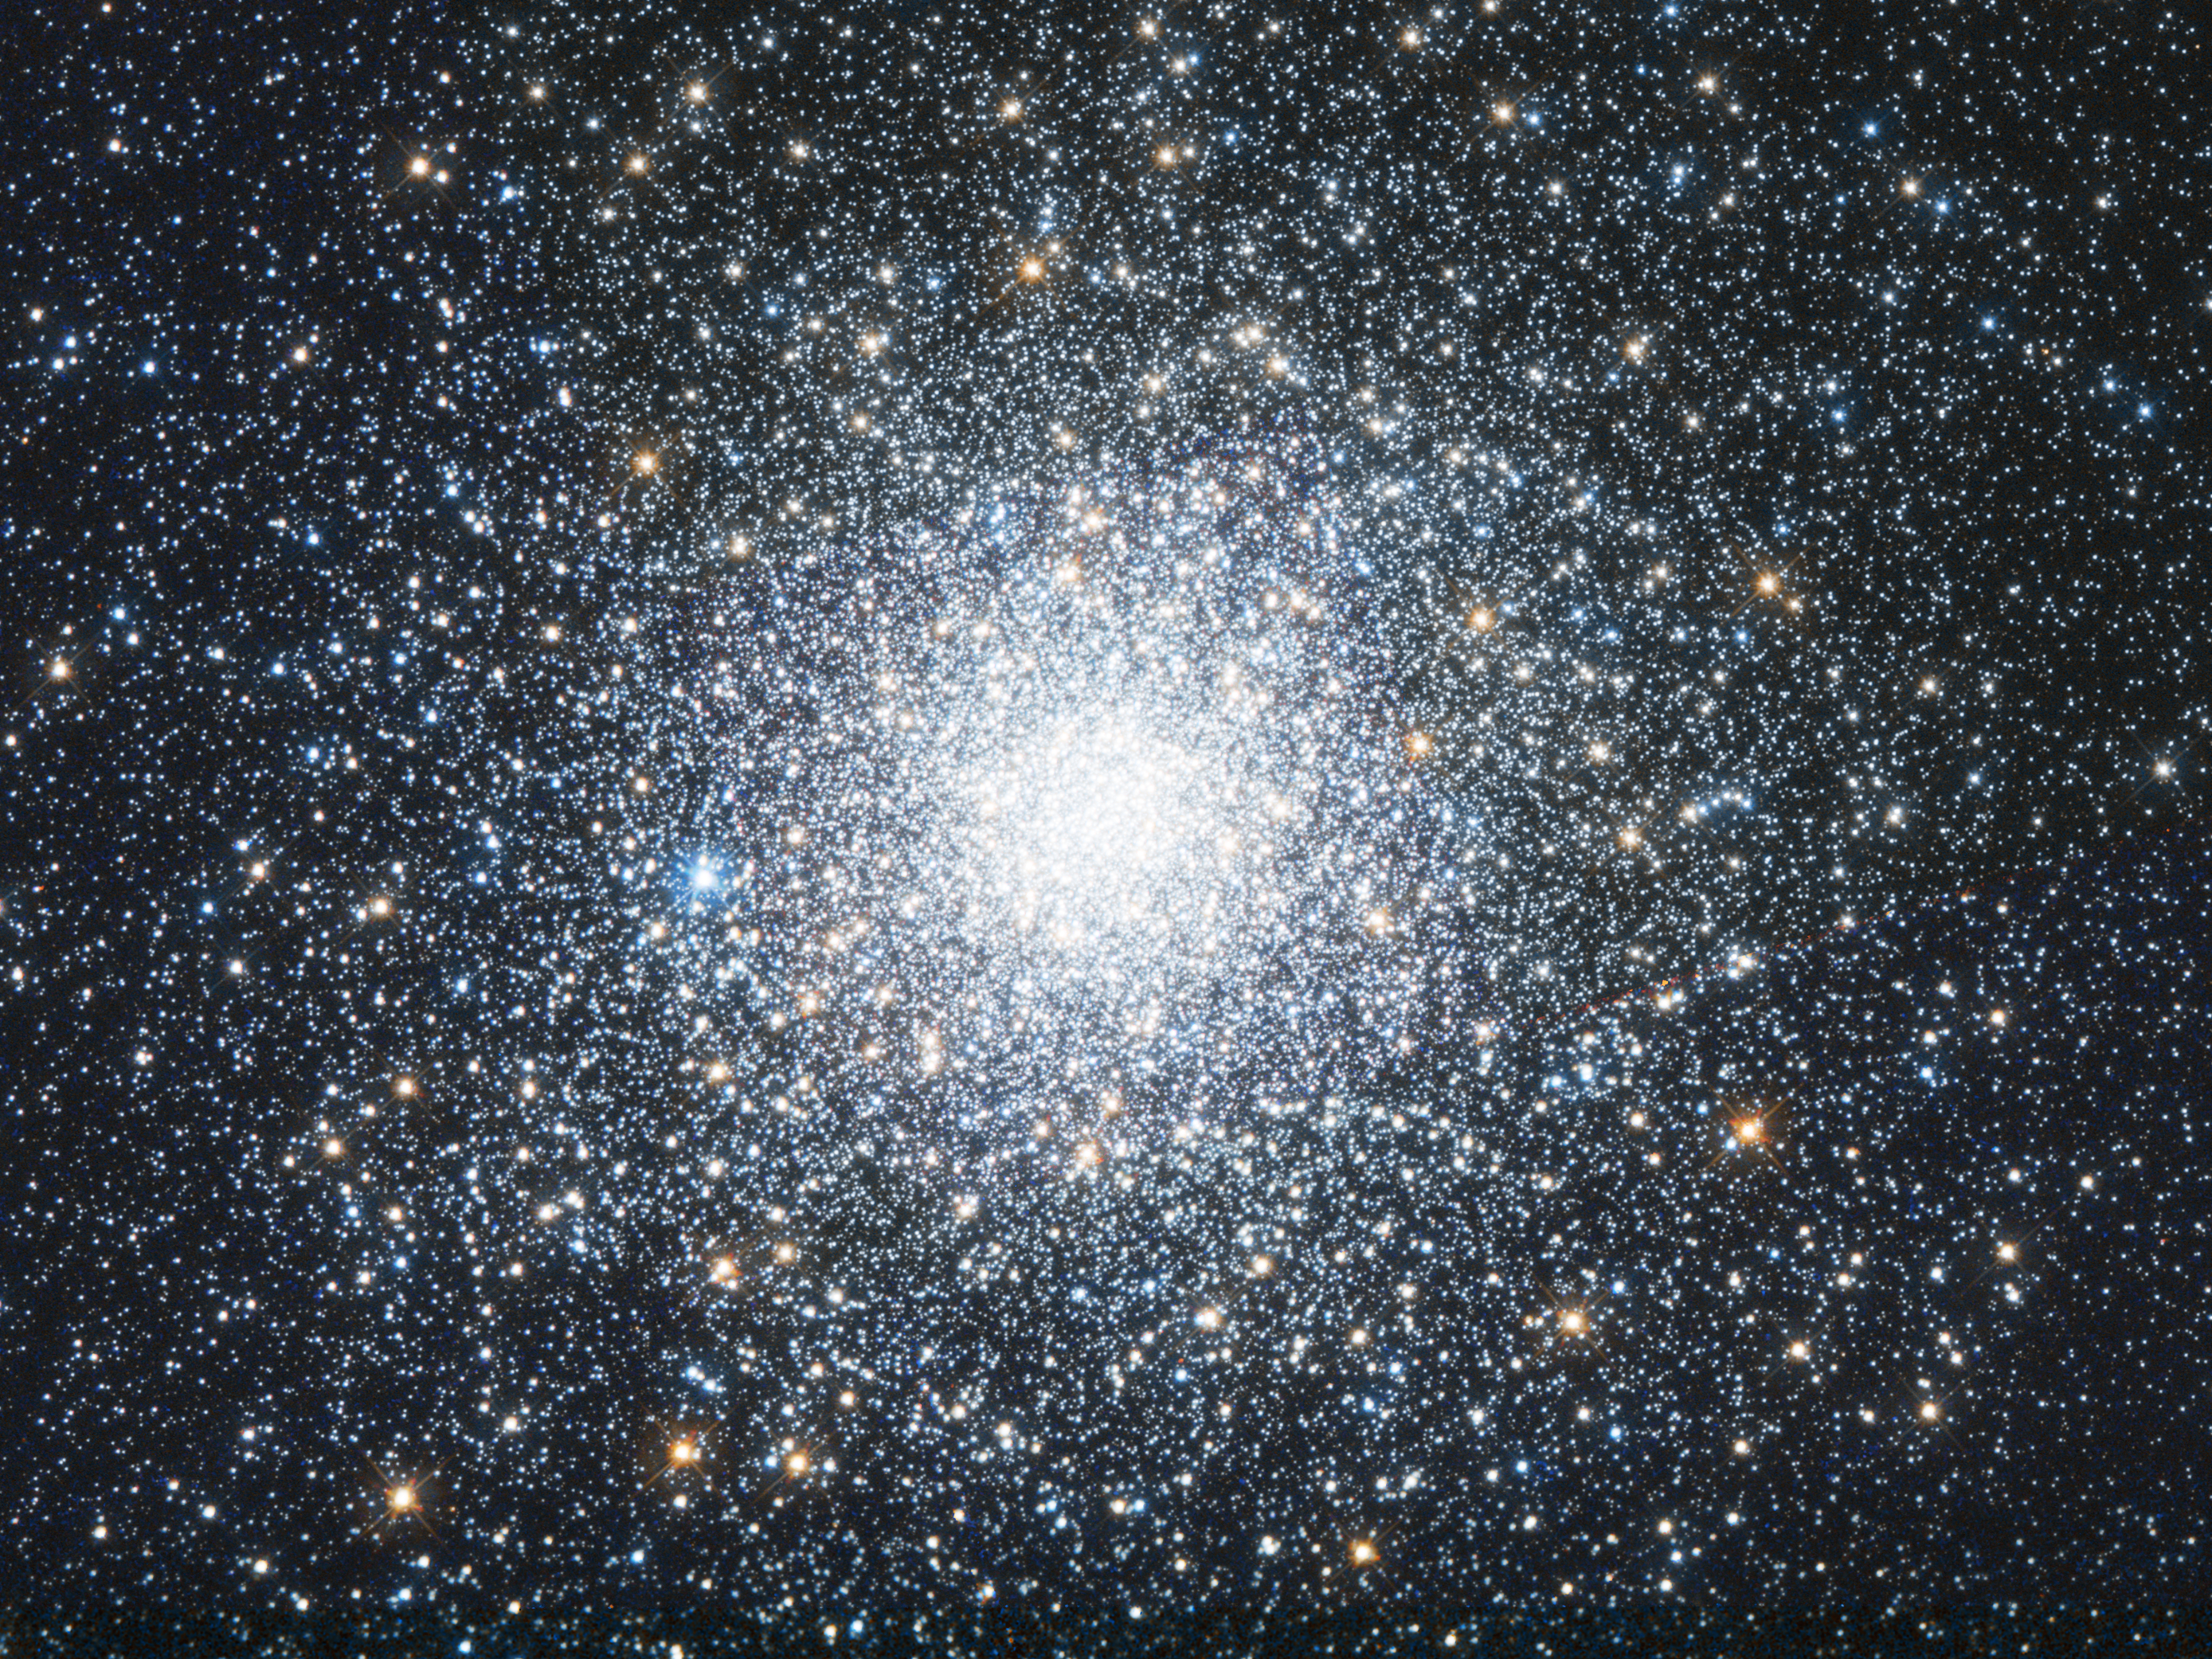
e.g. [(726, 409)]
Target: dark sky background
[(1091, 816)]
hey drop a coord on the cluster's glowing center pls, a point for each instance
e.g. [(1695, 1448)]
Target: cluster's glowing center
[(1100, 834)]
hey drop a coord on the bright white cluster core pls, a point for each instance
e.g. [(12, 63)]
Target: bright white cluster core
[(1053, 802), (1125, 848), (1092, 835)]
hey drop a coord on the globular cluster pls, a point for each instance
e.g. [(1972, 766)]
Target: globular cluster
[(843, 814)]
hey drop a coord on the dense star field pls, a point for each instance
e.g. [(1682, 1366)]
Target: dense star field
[(959, 812)]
